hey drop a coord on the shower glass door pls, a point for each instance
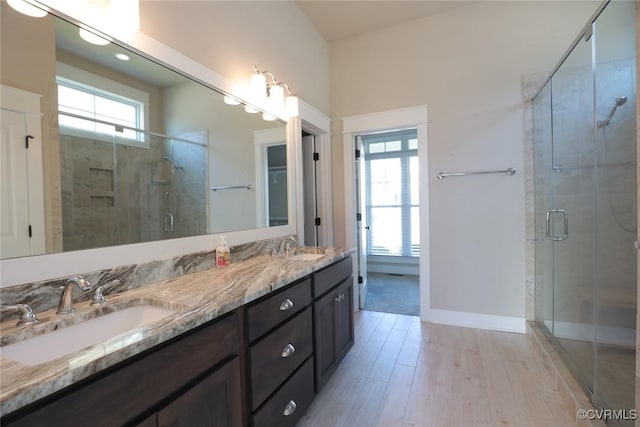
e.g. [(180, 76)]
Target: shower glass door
[(570, 221), (616, 209)]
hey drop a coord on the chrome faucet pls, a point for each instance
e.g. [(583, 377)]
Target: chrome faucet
[(290, 245), (65, 306), (27, 316)]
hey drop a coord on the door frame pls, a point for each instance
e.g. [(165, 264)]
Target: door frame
[(379, 122), (317, 124)]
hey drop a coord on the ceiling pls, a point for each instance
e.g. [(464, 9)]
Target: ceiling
[(338, 19)]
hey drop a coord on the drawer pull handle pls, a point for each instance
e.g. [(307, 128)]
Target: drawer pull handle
[(286, 305), (290, 408), (288, 350)]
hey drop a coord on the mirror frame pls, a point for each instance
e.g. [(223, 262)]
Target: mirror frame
[(16, 271)]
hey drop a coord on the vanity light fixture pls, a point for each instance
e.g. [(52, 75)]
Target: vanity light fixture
[(271, 93), (125, 15), (27, 8), (121, 17)]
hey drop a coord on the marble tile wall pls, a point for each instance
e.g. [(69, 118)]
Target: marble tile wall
[(45, 294), (107, 202)]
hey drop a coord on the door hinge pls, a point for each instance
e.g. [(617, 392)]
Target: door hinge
[(26, 140), (316, 157), (357, 154), (358, 216), (360, 279), (30, 231), (318, 222)]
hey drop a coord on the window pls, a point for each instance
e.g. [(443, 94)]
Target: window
[(392, 204), (95, 107)]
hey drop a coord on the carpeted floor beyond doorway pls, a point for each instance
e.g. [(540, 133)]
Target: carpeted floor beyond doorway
[(393, 294)]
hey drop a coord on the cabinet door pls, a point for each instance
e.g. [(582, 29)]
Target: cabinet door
[(324, 313), (214, 402), (344, 320)]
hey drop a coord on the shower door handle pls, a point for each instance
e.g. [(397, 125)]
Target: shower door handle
[(565, 233)]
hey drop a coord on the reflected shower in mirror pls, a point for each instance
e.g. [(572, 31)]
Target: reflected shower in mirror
[(130, 149)]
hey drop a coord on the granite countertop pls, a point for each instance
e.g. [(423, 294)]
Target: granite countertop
[(194, 299)]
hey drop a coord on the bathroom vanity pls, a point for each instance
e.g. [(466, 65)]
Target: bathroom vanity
[(248, 345)]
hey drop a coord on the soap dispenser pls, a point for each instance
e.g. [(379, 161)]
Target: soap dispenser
[(223, 254)]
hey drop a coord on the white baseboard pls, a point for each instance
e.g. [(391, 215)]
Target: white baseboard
[(609, 335), (475, 320), (393, 268)]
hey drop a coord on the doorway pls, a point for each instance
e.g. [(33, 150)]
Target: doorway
[(375, 124), (387, 187)]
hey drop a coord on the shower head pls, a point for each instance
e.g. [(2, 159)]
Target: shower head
[(620, 101)]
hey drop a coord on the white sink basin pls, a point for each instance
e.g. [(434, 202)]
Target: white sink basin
[(306, 257), (50, 346)]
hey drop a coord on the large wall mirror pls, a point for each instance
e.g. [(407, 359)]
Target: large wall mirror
[(131, 151)]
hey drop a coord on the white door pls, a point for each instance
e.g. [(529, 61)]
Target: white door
[(362, 228), (310, 191), (14, 209)]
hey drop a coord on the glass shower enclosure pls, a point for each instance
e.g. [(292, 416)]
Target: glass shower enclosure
[(585, 180)]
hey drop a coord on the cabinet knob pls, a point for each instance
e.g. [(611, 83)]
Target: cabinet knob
[(290, 408), (288, 350), (337, 298), (286, 305)]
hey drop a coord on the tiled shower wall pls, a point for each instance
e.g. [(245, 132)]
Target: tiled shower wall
[(126, 197)]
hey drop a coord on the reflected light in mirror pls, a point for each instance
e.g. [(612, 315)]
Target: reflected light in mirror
[(93, 38), (230, 100), (26, 8)]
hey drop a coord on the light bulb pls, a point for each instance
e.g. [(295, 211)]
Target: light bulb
[(27, 8), (276, 98), (268, 117), (291, 108), (125, 15), (258, 87), (250, 109)]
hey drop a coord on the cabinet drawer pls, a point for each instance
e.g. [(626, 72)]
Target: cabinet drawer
[(275, 309), (269, 365), (326, 279), (279, 409), (129, 389)]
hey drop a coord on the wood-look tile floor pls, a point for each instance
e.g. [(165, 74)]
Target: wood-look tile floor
[(403, 373)]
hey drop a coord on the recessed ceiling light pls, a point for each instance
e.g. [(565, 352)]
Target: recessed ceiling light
[(122, 56)]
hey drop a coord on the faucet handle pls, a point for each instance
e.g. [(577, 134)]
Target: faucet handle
[(27, 316), (98, 296)]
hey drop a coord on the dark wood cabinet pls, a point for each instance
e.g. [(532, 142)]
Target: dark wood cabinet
[(132, 390), (289, 403), (280, 374), (216, 401), (333, 320), (260, 365)]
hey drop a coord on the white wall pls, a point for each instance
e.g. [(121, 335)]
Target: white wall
[(467, 66), (231, 36)]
